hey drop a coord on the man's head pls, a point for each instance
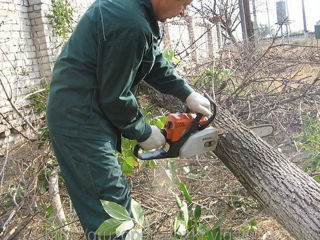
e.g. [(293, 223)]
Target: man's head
[(165, 9)]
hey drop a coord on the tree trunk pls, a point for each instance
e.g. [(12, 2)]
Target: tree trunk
[(285, 191)]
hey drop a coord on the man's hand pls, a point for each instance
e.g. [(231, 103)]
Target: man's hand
[(155, 141), (198, 104)]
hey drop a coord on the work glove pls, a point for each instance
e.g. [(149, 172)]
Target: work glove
[(198, 104), (155, 141)]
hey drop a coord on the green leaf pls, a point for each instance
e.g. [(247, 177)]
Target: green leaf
[(244, 228), (253, 223), (147, 228), (137, 212), (215, 234), (181, 220), (317, 178), (115, 210), (178, 201), (191, 225), (44, 186), (161, 122), (203, 229), (209, 236), (185, 192), (134, 234), (253, 228), (127, 169), (131, 161), (125, 226), (197, 212), (125, 143), (180, 227), (108, 227), (227, 236), (219, 222), (152, 164), (168, 54), (50, 214)]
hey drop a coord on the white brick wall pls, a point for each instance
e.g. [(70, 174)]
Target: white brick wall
[(27, 53)]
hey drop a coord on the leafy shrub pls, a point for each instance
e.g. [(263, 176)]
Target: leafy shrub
[(188, 223), (61, 17), (309, 141), (121, 222)]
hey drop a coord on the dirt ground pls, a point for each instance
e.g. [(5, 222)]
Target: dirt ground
[(210, 184)]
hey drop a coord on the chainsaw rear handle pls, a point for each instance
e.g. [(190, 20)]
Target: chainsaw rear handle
[(214, 112), (174, 148)]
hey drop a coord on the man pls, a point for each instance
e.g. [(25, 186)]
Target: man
[(91, 102)]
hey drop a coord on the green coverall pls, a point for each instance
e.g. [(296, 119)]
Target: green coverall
[(92, 103)]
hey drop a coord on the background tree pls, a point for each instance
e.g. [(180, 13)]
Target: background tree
[(226, 10), (264, 30)]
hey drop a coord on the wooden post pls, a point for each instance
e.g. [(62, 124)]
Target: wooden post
[(192, 40), (166, 36), (217, 21), (210, 40), (247, 17)]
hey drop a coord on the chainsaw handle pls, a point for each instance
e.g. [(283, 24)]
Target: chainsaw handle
[(214, 112), (157, 154)]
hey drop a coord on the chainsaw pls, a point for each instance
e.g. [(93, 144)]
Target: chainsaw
[(186, 134)]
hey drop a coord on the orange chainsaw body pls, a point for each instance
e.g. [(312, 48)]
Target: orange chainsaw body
[(177, 123)]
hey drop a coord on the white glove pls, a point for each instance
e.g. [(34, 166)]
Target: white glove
[(155, 141), (198, 104)]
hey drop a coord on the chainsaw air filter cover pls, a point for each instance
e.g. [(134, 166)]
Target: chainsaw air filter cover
[(200, 142)]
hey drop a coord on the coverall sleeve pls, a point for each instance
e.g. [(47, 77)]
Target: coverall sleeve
[(119, 63), (165, 79)]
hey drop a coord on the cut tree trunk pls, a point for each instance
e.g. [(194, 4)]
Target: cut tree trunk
[(285, 191)]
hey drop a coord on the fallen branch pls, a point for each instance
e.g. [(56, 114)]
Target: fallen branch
[(56, 200), (14, 107)]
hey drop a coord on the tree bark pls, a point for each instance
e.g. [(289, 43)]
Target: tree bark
[(286, 192)]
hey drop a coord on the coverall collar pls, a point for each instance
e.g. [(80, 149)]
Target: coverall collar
[(151, 17)]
